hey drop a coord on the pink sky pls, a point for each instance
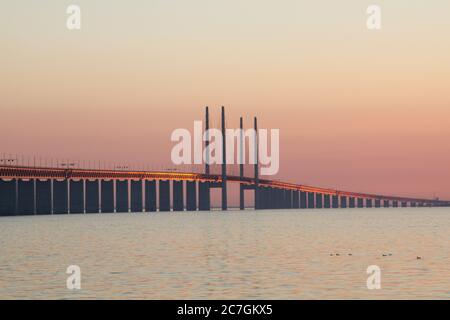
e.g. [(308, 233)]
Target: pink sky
[(357, 110)]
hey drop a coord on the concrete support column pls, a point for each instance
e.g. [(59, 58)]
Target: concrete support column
[(335, 201), (319, 200), (204, 196), (272, 198), (136, 196), (351, 202), (76, 196), (164, 195), (178, 198), (377, 203), (8, 194), (280, 199), (295, 199), (288, 199), (60, 197), (343, 202), (107, 195), (92, 198), (150, 195), (191, 196), (303, 200), (360, 202), (122, 204), (26, 197), (268, 199), (311, 202), (326, 201), (43, 197)]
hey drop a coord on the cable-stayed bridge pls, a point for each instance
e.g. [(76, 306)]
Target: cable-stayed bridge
[(31, 189)]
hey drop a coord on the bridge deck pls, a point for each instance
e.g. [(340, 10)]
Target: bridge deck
[(11, 172)]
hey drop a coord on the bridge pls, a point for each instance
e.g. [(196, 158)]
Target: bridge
[(28, 190)]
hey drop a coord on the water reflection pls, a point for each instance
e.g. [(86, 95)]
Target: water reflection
[(291, 254)]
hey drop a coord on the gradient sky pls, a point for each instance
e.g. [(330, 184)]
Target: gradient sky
[(357, 110)]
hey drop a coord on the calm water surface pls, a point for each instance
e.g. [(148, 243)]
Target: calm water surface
[(283, 254)]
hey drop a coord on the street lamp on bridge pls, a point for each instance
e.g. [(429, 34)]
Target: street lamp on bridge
[(67, 165), (8, 161)]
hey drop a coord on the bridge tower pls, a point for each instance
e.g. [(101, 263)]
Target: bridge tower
[(257, 204), (207, 139), (224, 163), (241, 165)]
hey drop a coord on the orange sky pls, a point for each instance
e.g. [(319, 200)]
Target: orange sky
[(360, 110)]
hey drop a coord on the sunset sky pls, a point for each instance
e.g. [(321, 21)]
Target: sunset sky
[(357, 109)]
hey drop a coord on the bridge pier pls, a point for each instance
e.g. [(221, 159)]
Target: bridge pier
[(319, 200), (164, 195), (259, 197), (326, 201), (43, 197), (267, 197), (343, 202), (264, 194), (377, 203), (76, 196), (335, 201), (303, 200), (270, 198), (178, 199), (351, 202), (107, 195), (360, 202), (204, 196), (122, 196), (26, 197), (295, 199), (288, 194), (191, 196), (136, 195), (276, 199), (280, 198), (8, 195), (150, 195), (92, 196), (60, 197), (311, 204), (241, 194)]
